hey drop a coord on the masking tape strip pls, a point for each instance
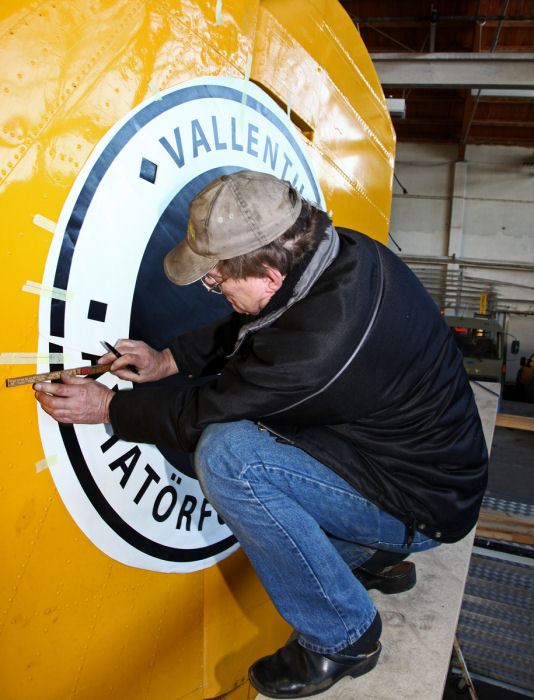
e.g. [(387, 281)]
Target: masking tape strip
[(45, 463), (45, 223), (53, 292), (32, 358), (154, 89), (245, 89), (218, 13), (57, 340)]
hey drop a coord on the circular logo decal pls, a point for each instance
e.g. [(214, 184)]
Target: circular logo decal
[(138, 503)]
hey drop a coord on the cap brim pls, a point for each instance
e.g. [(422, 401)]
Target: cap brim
[(183, 266)]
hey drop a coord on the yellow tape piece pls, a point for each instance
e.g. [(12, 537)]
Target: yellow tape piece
[(248, 68), (52, 292), (218, 13), (32, 358), (45, 223), (45, 463), (154, 89)]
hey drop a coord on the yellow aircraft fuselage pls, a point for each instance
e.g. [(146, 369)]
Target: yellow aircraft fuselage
[(81, 618)]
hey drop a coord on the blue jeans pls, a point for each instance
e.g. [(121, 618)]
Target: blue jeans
[(302, 527)]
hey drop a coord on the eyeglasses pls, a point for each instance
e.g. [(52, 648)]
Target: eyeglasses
[(211, 284)]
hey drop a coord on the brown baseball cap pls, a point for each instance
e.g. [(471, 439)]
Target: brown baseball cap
[(233, 215)]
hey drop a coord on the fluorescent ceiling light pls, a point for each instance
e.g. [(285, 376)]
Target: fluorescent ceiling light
[(397, 107), (503, 92)]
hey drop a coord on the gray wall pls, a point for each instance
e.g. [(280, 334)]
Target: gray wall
[(480, 210)]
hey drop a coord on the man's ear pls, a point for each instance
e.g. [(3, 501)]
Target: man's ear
[(273, 279)]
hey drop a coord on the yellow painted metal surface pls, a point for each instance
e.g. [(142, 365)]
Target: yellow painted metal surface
[(73, 622), (315, 55)]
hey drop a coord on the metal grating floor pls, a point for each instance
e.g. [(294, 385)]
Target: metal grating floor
[(496, 626), (505, 506)]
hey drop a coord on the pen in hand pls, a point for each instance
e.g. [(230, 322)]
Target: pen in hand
[(110, 347)]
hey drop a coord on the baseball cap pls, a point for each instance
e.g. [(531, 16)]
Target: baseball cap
[(235, 214)]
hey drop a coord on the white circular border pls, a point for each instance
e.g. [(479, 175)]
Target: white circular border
[(119, 205)]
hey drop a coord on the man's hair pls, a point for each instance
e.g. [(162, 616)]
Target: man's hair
[(285, 252)]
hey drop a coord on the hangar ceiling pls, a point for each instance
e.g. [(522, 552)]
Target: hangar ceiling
[(446, 59)]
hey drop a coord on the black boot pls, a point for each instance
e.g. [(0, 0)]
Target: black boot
[(387, 572), (296, 672)]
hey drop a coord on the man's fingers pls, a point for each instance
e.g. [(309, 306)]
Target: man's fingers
[(128, 344), (52, 396), (51, 404), (130, 376), (57, 414), (123, 346), (53, 388), (150, 364), (72, 379), (106, 359), (120, 364), (76, 401)]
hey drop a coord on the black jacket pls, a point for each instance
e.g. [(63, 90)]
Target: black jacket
[(357, 368)]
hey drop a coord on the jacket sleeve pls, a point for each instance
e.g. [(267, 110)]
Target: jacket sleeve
[(277, 370), (279, 366), (203, 351)]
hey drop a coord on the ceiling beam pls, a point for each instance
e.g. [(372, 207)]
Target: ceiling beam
[(455, 70), (502, 123), (451, 19)]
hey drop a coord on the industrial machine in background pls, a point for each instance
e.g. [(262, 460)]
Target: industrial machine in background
[(481, 342)]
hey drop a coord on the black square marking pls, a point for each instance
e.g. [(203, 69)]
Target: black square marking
[(148, 170), (97, 311)]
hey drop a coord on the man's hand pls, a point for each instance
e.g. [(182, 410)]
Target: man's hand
[(76, 400), (150, 364)]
